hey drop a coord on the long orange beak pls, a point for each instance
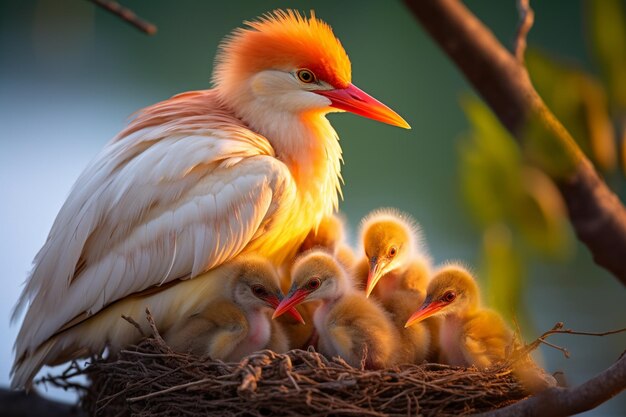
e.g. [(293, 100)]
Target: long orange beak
[(290, 302), (373, 277), (426, 310), (275, 302), (357, 101)]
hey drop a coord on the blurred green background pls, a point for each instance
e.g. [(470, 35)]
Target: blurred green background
[(71, 74)]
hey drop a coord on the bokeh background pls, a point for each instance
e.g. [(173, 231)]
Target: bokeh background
[(71, 75)]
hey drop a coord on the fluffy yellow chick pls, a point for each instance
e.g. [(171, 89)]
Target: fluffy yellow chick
[(469, 334), (331, 235), (239, 322), (395, 256), (348, 324)]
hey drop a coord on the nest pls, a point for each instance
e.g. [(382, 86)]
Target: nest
[(149, 379)]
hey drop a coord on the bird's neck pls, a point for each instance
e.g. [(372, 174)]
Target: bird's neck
[(464, 314), (342, 289), (305, 142)]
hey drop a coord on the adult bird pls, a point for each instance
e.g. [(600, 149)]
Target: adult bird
[(251, 165)]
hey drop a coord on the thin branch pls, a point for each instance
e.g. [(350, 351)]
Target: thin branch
[(558, 402), (558, 329), (597, 215), (134, 324), (527, 18), (553, 346), (127, 15)]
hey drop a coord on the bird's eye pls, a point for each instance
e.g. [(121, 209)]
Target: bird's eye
[(393, 251), (259, 290), (313, 284), (306, 76), (448, 296)]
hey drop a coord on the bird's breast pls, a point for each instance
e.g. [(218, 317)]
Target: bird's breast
[(450, 341), (258, 335)]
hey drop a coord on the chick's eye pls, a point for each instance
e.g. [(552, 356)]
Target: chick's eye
[(258, 290), (313, 284), (305, 76), (393, 251), (449, 296)]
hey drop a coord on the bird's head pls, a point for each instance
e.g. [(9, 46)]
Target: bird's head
[(329, 234), (452, 290), (389, 238), (316, 275), (256, 285), (292, 64)]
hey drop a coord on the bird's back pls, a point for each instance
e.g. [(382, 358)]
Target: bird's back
[(415, 341), (358, 326), (487, 338)]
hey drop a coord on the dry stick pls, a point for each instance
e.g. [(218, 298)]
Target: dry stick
[(134, 324), (127, 15), (170, 389), (597, 215), (527, 18)]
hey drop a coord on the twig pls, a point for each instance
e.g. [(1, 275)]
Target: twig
[(558, 329), (153, 327), (170, 389), (552, 345), (527, 18), (127, 15), (135, 324)]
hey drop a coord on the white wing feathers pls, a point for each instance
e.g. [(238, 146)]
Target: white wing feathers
[(153, 206)]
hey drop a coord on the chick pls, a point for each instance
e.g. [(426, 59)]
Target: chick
[(469, 334), (395, 257), (331, 235), (348, 324), (415, 342), (237, 323)]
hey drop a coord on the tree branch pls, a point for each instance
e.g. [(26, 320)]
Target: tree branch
[(557, 402), (126, 15), (527, 18), (597, 215)]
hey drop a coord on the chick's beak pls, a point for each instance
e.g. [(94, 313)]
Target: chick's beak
[(426, 310), (357, 101), (289, 303), (373, 276), (274, 301)]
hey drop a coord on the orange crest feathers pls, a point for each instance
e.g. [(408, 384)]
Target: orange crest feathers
[(284, 40)]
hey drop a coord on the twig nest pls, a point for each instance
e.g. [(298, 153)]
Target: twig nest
[(152, 380)]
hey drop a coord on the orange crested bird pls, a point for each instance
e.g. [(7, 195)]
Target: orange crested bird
[(469, 335), (395, 255), (348, 324), (239, 322), (250, 166)]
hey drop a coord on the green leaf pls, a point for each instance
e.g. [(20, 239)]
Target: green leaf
[(579, 101), (489, 166), (503, 271), (500, 188), (606, 20), (541, 217)]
